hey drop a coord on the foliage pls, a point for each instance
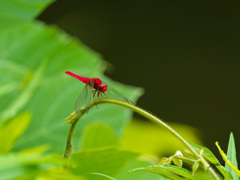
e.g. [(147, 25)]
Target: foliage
[(36, 97), (232, 157)]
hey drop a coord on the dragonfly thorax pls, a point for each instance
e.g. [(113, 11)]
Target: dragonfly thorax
[(97, 84)]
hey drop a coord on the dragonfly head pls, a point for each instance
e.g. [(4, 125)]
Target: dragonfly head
[(103, 87)]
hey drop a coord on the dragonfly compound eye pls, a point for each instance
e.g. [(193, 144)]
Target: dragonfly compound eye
[(103, 87)]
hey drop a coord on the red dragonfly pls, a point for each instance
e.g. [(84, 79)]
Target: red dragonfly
[(96, 89)]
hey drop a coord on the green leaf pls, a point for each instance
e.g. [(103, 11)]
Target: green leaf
[(140, 175), (225, 172), (8, 88), (103, 175), (104, 161), (24, 49), (224, 156), (16, 12), (10, 131), (15, 165), (51, 174), (169, 171), (206, 153), (231, 156), (98, 135), (165, 160), (177, 161), (25, 96), (25, 46), (195, 167), (34, 164)]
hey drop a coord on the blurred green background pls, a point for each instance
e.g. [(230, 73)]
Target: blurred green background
[(185, 54)]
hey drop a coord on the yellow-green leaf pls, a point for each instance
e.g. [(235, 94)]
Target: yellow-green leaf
[(195, 166), (10, 131), (163, 161), (177, 161), (224, 156)]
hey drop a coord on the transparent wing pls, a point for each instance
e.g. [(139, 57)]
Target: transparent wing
[(85, 97), (111, 93)]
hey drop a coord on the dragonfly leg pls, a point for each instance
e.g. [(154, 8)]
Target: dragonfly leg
[(94, 92), (100, 95), (105, 95), (94, 97)]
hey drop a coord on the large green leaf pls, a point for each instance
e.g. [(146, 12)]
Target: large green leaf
[(98, 135), (105, 161), (33, 59), (18, 103), (15, 12), (24, 49)]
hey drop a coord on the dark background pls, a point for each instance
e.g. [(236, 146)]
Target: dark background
[(185, 54)]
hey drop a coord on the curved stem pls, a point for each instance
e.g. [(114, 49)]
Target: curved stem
[(73, 119), (79, 113), (68, 148)]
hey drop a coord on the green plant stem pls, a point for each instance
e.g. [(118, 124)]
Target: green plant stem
[(68, 148), (186, 159), (73, 119), (79, 113)]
